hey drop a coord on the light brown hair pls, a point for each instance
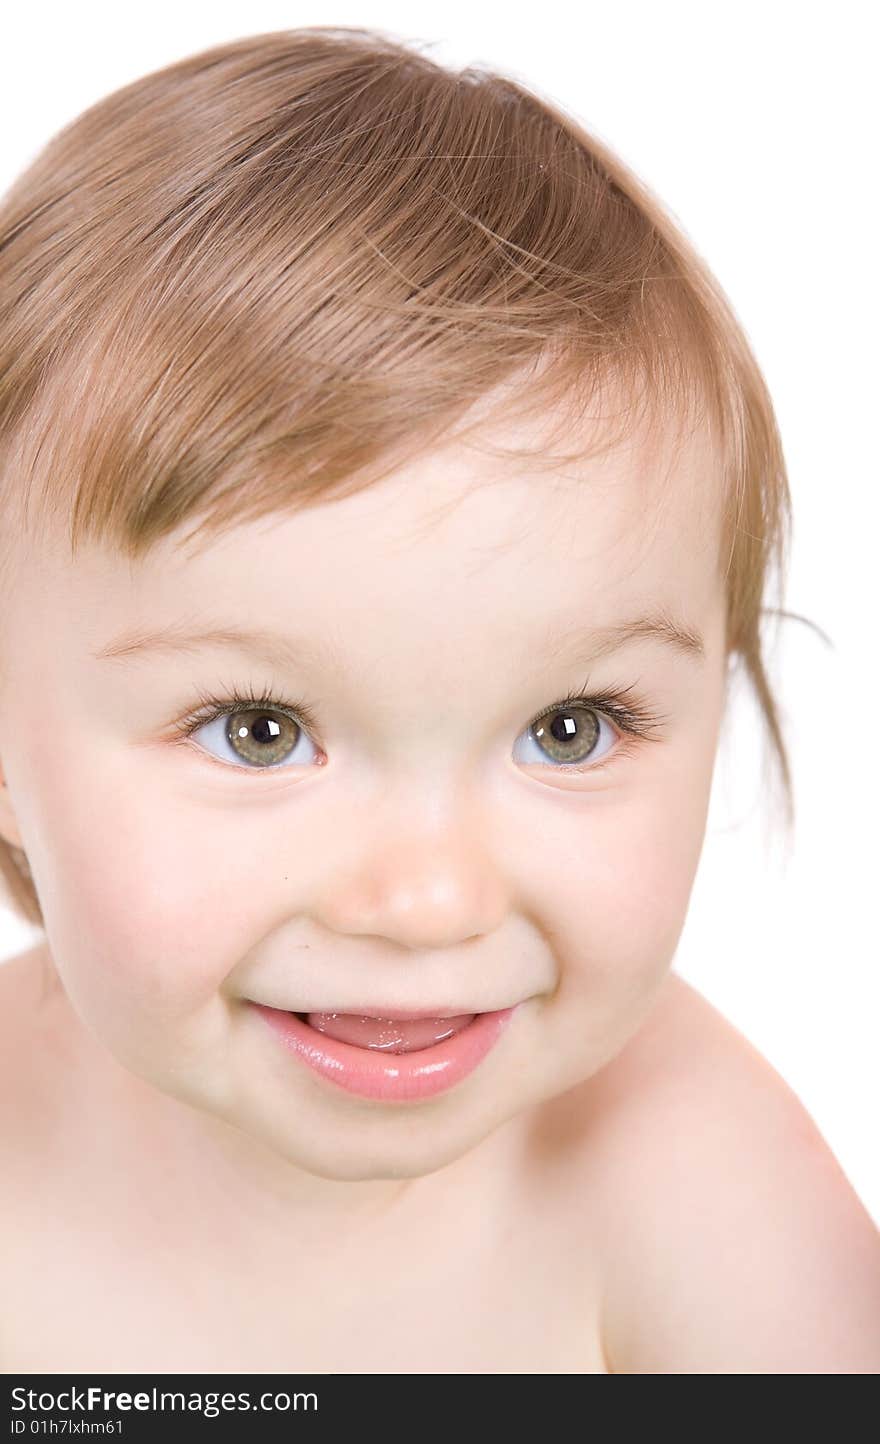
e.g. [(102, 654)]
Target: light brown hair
[(268, 273)]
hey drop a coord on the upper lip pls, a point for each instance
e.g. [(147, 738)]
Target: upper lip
[(394, 1013)]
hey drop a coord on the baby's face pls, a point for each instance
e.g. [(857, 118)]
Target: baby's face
[(421, 847)]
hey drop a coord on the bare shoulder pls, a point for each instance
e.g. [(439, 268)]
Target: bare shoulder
[(733, 1240)]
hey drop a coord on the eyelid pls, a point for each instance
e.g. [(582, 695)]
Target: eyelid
[(233, 698), (621, 705)]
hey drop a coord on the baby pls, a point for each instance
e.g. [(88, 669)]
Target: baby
[(388, 494)]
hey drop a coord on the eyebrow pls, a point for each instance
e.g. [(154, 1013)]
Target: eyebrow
[(284, 651)]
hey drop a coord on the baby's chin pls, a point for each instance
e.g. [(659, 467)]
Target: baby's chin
[(364, 1143)]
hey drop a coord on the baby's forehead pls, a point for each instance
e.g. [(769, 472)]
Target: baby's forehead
[(462, 510), (460, 536)]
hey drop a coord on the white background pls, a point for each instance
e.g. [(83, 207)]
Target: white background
[(754, 123)]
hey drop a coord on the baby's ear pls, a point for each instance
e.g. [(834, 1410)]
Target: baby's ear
[(8, 823)]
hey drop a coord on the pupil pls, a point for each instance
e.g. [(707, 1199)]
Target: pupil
[(563, 727), (262, 731)]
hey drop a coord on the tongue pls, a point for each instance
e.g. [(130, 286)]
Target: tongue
[(392, 1035)]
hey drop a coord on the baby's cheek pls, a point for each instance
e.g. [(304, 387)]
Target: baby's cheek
[(648, 902), (144, 922), (637, 865)]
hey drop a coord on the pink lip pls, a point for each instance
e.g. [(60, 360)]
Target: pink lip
[(389, 1077)]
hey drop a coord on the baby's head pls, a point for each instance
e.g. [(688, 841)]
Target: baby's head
[(400, 390)]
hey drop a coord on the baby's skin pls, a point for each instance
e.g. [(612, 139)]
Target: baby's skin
[(621, 1183)]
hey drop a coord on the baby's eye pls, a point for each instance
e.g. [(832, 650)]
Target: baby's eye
[(568, 734), (255, 738)]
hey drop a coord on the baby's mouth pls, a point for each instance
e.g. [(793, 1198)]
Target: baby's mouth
[(365, 1054), (390, 1035)]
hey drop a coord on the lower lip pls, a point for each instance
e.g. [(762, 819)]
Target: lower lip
[(389, 1077)]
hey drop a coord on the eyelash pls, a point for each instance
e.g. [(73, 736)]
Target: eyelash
[(622, 706)]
